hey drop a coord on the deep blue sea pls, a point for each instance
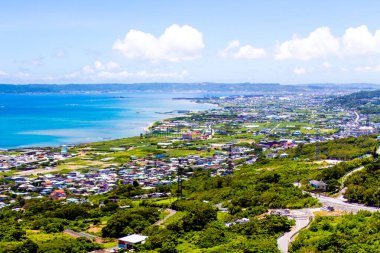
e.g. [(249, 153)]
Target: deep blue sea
[(54, 119)]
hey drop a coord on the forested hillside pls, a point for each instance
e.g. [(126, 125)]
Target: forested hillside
[(367, 102)]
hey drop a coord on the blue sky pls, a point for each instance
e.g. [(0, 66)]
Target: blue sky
[(189, 41)]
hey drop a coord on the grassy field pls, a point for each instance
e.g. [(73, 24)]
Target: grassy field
[(175, 218), (37, 236)]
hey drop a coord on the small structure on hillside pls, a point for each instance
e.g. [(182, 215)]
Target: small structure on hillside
[(318, 185), (129, 241)]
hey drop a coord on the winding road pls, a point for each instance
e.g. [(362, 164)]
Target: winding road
[(357, 117), (302, 218)]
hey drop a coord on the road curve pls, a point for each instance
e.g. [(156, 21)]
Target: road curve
[(302, 218)]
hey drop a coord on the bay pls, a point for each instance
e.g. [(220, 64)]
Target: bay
[(55, 119)]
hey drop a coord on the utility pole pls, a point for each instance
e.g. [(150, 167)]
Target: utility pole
[(230, 164), (179, 178), (317, 151)]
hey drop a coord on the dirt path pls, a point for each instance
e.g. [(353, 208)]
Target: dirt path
[(171, 213)]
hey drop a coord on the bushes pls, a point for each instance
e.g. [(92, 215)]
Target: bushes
[(348, 148), (69, 245), (350, 233), (70, 212), (272, 225), (196, 215), (49, 225), (161, 239), (363, 186), (25, 246), (213, 235), (130, 221)]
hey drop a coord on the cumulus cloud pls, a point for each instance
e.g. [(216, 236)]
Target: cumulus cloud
[(145, 75), (112, 71), (100, 66), (356, 41), (319, 44), (177, 43), (299, 71), (234, 50), (38, 61), (360, 41), (375, 68), (3, 73), (326, 65), (60, 53)]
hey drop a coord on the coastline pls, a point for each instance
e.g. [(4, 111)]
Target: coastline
[(142, 129)]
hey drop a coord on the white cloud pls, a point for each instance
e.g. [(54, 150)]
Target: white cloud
[(326, 65), (144, 75), (22, 75), (360, 41), (38, 61), (375, 68), (3, 73), (112, 71), (100, 66), (233, 50), (60, 53), (319, 44), (106, 66), (299, 71), (356, 41), (177, 43)]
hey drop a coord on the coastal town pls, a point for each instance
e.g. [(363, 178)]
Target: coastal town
[(241, 131), (224, 138)]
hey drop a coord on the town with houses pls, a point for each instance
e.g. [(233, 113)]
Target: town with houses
[(238, 132), (277, 123)]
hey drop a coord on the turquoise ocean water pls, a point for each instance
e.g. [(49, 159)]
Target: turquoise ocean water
[(55, 119)]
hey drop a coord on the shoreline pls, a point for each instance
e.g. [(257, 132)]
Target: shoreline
[(143, 129)]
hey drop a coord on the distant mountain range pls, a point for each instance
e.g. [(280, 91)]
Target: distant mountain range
[(179, 87)]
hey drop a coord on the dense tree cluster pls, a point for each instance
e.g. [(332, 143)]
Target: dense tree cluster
[(129, 221), (349, 233), (255, 190), (365, 101), (344, 149), (257, 235), (364, 186)]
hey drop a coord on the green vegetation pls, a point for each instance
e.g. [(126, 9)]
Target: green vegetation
[(364, 186), (257, 235), (349, 233), (366, 102), (254, 190), (39, 228), (221, 210), (344, 149), (130, 221), (332, 175)]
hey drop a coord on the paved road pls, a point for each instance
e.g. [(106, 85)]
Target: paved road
[(344, 178), (342, 205), (302, 218), (357, 117)]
